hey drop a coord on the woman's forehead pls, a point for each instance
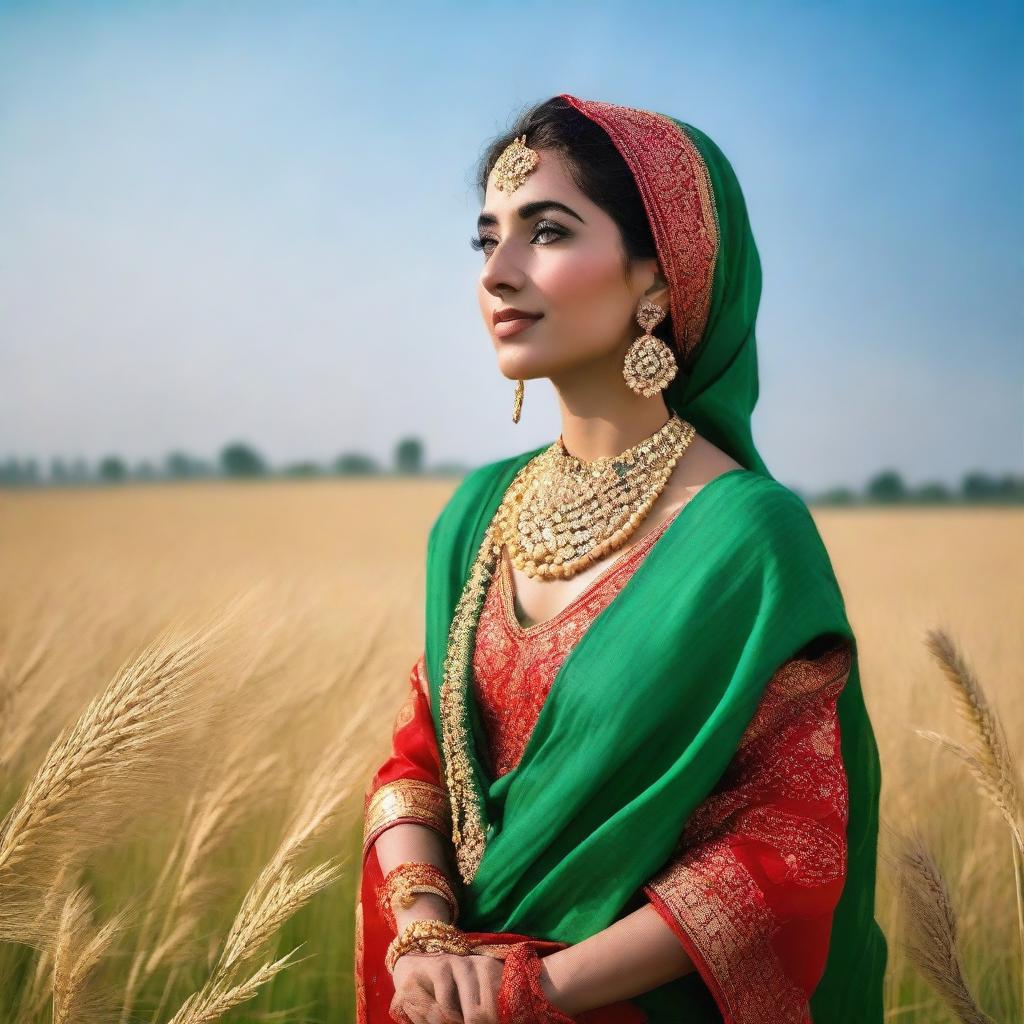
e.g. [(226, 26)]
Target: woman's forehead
[(549, 180)]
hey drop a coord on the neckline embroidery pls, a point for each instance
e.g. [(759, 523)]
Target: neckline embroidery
[(506, 583)]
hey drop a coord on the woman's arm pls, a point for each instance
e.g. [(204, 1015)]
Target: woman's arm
[(409, 841), (406, 813), (408, 786), (635, 954), (747, 900)]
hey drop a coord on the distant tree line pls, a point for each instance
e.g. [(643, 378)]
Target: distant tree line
[(240, 461), (236, 461), (888, 487)]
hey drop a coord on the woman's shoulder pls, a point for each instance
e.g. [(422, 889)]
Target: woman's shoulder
[(770, 518), (480, 484), (778, 538)]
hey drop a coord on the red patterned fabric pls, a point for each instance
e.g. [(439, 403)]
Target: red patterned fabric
[(676, 188), (522, 1000), (761, 862), (514, 666), (407, 787)]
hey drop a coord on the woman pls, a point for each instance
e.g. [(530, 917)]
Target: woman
[(634, 778)]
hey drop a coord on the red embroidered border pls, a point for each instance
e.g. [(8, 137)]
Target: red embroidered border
[(676, 189)]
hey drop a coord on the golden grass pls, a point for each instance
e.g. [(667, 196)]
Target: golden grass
[(254, 839)]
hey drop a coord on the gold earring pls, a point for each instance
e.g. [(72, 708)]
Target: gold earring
[(517, 401), (649, 365)]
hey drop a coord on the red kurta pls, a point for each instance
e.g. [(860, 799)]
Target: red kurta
[(761, 863)]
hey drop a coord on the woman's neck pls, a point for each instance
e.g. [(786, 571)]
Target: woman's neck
[(613, 429)]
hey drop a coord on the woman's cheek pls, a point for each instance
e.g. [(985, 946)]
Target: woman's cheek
[(582, 290)]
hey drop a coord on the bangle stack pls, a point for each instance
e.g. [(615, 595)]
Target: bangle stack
[(426, 937), (409, 878)]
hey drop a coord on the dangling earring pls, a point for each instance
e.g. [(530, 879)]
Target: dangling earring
[(517, 401), (649, 365)]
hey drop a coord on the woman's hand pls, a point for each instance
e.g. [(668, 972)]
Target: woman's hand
[(443, 988)]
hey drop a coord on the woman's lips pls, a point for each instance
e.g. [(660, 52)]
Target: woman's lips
[(506, 328)]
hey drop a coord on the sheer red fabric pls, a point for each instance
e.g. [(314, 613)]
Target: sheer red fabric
[(760, 864)]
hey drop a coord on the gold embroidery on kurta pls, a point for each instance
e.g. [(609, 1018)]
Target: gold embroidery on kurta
[(720, 907), (359, 958), (468, 835), (514, 666), (405, 800), (790, 751), (405, 714)]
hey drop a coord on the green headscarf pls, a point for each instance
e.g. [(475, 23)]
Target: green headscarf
[(647, 710)]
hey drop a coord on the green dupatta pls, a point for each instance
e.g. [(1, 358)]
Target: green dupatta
[(647, 711)]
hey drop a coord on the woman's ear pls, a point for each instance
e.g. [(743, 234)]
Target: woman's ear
[(658, 291)]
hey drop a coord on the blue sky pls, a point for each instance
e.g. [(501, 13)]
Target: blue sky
[(250, 220)]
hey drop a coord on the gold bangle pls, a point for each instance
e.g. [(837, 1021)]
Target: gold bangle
[(426, 937), (409, 878)]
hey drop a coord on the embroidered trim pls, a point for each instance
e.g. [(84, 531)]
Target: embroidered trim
[(790, 752), (716, 904), (360, 954), (468, 834), (814, 854), (404, 800), (674, 182)]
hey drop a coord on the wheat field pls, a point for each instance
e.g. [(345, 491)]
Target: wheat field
[(267, 630)]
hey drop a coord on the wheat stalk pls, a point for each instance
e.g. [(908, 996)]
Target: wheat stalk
[(277, 893), (261, 914), (930, 927), (131, 739), (77, 951), (990, 761), (39, 988), (210, 820), (217, 997)]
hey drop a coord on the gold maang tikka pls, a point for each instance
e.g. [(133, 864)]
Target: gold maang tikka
[(517, 160), (510, 170)]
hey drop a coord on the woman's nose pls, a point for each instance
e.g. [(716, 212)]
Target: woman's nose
[(501, 270)]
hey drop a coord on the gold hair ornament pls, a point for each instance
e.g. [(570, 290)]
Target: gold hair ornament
[(517, 160)]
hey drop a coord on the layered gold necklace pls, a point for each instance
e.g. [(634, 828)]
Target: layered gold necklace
[(561, 514)]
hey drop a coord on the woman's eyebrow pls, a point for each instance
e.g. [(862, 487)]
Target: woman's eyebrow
[(530, 210)]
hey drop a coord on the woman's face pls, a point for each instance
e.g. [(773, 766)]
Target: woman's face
[(564, 263)]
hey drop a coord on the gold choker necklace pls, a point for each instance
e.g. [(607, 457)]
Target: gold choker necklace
[(560, 514)]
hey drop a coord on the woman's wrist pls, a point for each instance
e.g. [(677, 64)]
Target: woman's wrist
[(426, 906), (557, 986)]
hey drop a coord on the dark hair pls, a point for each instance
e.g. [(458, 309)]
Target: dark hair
[(596, 167)]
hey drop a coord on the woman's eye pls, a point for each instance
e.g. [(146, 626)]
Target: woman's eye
[(481, 242)]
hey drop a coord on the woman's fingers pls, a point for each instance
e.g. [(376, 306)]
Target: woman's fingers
[(447, 991), (412, 1002), (468, 983), (425, 989), (479, 978)]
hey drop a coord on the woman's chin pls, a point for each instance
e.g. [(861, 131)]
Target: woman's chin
[(519, 369)]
